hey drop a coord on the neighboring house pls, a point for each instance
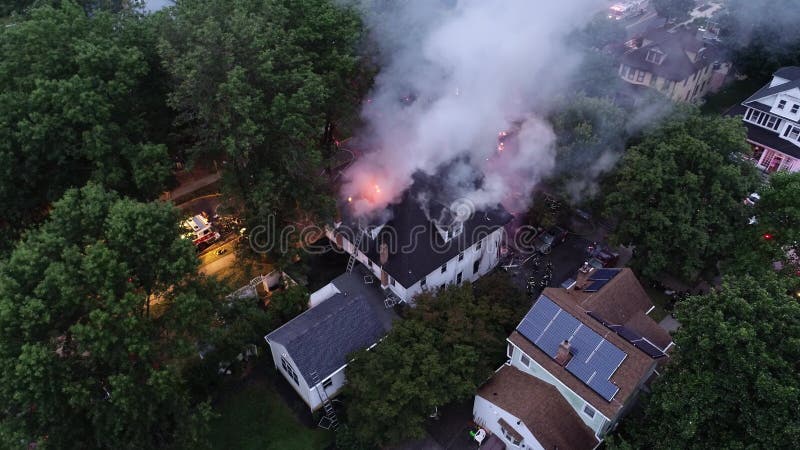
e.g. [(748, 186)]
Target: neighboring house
[(426, 244), (675, 63), (772, 118), (311, 350), (576, 364)]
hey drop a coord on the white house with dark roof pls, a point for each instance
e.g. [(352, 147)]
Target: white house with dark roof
[(576, 363), (425, 246), (311, 351), (772, 118)]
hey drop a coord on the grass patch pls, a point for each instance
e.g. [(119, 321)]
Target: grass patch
[(734, 93), (257, 418)]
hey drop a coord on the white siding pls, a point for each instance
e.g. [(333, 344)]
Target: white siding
[(278, 351), (486, 414), (596, 423)]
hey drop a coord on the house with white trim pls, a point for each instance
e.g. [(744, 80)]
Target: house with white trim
[(772, 118), (576, 364), (421, 245)]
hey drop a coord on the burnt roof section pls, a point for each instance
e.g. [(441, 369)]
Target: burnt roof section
[(791, 73), (320, 339), (415, 246), (540, 406), (676, 65), (633, 370)]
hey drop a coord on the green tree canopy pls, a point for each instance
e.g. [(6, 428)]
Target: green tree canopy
[(678, 194), (450, 343), (258, 83), (82, 363), (733, 380), (673, 9), (79, 93), (775, 237)]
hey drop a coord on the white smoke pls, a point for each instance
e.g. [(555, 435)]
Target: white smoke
[(453, 75)]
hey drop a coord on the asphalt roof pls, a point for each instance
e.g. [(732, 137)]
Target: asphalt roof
[(538, 404), (676, 64), (416, 247), (791, 73), (320, 339)]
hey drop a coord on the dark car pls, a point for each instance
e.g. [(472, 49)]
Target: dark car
[(603, 257), (545, 242)]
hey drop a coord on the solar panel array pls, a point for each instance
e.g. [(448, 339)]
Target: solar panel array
[(594, 359), (600, 278), (638, 341)]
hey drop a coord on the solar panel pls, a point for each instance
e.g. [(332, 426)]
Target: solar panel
[(560, 330), (626, 333), (584, 342), (605, 388), (651, 350), (538, 318), (594, 359), (603, 274), (595, 286)]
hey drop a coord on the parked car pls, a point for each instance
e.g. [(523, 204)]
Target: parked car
[(545, 242), (602, 256)]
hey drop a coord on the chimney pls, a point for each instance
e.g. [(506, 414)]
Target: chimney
[(384, 253), (563, 356)]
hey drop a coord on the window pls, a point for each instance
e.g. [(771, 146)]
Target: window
[(289, 370), (781, 104), (510, 350), (391, 281), (478, 245), (654, 56), (588, 410), (458, 278), (423, 282), (444, 268), (525, 360), (369, 263), (749, 114), (327, 383), (795, 107), (792, 132), (476, 265), (461, 256), (630, 73), (639, 76), (771, 122)]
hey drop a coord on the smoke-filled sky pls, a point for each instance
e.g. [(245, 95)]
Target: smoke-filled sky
[(453, 75)]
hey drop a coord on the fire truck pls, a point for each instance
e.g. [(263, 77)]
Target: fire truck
[(624, 10), (200, 232)]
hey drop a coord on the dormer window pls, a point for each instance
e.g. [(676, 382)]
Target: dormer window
[(795, 107), (781, 104), (654, 56)]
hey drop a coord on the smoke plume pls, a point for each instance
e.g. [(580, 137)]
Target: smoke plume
[(454, 75)]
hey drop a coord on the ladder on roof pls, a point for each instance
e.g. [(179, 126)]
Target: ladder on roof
[(356, 245), (329, 421)]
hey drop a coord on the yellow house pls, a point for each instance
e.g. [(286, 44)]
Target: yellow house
[(674, 62)]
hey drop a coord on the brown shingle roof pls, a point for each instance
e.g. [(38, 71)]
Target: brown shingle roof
[(631, 373), (541, 407), (623, 301)]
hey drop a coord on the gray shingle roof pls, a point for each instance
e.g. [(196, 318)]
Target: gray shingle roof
[(676, 65), (320, 339), (791, 73)]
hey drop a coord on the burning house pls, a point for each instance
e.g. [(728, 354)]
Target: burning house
[(427, 240)]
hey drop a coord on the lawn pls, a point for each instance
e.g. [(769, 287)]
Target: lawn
[(257, 418)]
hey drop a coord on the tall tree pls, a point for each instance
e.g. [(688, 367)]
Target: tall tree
[(733, 380), (775, 237), (678, 194), (673, 9), (82, 365), (78, 95), (450, 343), (257, 83)]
